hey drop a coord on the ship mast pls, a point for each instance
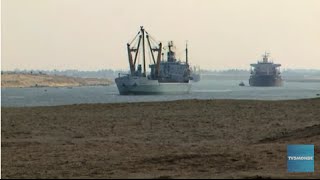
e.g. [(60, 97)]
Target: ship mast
[(265, 57), (158, 59), (136, 56), (132, 67), (157, 73), (132, 63), (152, 55), (143, 53), (187, 52)]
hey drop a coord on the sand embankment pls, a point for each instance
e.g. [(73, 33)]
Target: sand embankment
[(42, 80), (180, 139)]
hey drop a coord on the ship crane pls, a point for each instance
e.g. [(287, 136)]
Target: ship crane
[(141, 36)]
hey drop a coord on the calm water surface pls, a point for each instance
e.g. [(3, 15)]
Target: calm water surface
[(205, 89)]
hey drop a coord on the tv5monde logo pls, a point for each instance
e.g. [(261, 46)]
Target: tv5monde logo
[(300, 158)]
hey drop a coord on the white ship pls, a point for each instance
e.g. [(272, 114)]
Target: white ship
[(170, 76)]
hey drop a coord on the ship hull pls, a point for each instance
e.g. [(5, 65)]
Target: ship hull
[(133, 85), (265, 81)]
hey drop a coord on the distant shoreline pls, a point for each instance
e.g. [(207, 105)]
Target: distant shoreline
[(95, 85), (43, 80)]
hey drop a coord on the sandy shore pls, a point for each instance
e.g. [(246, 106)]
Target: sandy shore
[(43, 80), (180, 139)]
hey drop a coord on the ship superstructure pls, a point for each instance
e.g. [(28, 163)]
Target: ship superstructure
[(171, 69), (265, 73)]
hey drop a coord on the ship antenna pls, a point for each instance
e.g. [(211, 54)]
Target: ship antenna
[(265, 57)]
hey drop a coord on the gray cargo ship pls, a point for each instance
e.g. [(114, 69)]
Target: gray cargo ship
[(265, 73), (170, 76)]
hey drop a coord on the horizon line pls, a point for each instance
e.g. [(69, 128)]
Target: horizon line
[(204, 69)]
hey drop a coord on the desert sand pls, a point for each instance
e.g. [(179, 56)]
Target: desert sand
[(178, 139), (43, 80)]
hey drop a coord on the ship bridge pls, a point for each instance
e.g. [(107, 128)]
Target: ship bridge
[(265, 67), (265, 64)]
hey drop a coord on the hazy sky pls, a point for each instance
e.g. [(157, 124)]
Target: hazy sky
[(92, 34)]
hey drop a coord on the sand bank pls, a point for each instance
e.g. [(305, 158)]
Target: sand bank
[(43, 80), (180, 139)]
